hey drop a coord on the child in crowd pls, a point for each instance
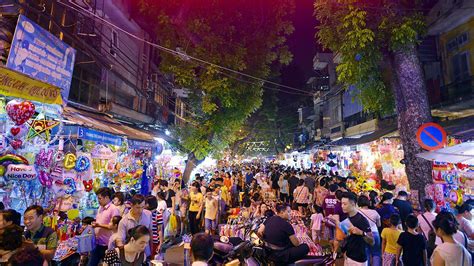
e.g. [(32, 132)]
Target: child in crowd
[(413, 244), (210, 215), (86, 221), (115, 236), (316, 221), (389, 241)]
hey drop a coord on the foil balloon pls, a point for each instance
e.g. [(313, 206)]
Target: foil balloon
[(45, 179), (16, 144), (18, 132), (2, 170), (71, 185), (96, 184), (69, 161), (87, 185), (82, 164), (20, 112), (3, 144), (44, 158)]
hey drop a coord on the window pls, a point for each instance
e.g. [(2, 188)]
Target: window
[(458, 41), (460, 66), (115, 41)]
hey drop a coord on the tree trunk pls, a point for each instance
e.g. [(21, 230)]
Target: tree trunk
[(191, 164), (413, 110)]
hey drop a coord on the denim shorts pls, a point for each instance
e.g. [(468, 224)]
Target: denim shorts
[(210, 224)]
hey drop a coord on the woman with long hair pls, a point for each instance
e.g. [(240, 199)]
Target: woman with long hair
[(450, 252), (133, 252)]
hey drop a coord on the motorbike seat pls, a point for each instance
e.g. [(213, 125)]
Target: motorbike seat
[(308, 261)]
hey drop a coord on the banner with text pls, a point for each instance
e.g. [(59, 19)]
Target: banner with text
[(40, 55), (14, 84)]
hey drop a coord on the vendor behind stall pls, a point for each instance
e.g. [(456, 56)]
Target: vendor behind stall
[(280, 238), (43, 237)]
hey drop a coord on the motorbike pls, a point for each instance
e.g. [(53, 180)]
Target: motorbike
[(248, 251)]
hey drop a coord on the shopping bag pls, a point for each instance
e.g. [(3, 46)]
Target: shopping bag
[(171, 228), (86, 241)]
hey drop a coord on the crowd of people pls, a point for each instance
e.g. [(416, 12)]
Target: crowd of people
[(364, 227)]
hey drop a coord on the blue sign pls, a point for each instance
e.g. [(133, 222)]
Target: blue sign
[(39, 54), (139, 144), (431, 136), (98, 136)]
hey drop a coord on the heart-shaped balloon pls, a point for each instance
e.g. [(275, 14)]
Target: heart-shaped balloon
[(15, 130), (16, 144), (45, 179), (20, 112)]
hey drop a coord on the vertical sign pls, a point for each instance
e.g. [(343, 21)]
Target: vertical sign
[(40, 55)]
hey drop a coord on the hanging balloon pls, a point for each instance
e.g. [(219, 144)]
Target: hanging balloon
[(71, 185), (69, 161), (82, 164), (45, 179), (2, 170), (16, 144), (96, 184), (20, 112), (87, 185)]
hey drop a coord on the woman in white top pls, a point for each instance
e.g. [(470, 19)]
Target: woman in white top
[(373, 217), (302, 197), (450, 252)]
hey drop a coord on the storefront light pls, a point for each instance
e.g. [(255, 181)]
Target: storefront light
[(160, 140), (167, 132)]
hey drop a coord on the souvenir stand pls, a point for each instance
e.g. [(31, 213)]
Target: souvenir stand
[(453, 174), (367, 164), (30, 111)]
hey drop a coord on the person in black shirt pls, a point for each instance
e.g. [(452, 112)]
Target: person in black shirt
[(292, 183), (413, 244), (403, 206), (357, 230), (280, 238)]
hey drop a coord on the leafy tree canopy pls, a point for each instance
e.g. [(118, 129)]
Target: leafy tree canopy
[(247, 36), (363, 33)]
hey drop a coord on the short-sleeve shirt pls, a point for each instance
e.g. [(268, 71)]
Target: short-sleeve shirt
[(195, 201), (278, 231), (391, 236), (169, 195), (404, 207), (44, 238), (372, 216), (301, 194), (128, 222), (310, 183), (355, 247), (330, 204), (317, 219), (104, 216), (413, 247)]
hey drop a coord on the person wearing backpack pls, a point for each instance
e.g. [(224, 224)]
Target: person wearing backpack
[(386, 209), (425, 221)]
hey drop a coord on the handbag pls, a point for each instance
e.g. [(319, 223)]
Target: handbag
[(86, 241)]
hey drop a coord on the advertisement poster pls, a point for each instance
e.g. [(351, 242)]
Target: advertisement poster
[(39, 54)]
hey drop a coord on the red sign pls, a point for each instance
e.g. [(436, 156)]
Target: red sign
[(431, 136)]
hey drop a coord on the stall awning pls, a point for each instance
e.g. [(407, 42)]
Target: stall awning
[(461, 153), (364, 139), (104, 123)]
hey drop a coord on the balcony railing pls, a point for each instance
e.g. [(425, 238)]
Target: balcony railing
[(457, 92)]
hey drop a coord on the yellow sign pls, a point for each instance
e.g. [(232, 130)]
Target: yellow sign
[(14, 84)]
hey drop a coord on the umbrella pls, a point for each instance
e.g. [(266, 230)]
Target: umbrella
[(461, 153)]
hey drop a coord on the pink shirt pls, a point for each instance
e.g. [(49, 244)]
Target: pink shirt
[(104, 216)]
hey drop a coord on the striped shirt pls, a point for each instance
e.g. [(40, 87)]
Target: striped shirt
[(154, 225)]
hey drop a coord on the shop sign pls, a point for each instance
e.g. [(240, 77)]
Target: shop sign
[(139, 144), (103, 153), (17, 85), (431, 136), (98, 136), (20, 172), (39, 54)]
